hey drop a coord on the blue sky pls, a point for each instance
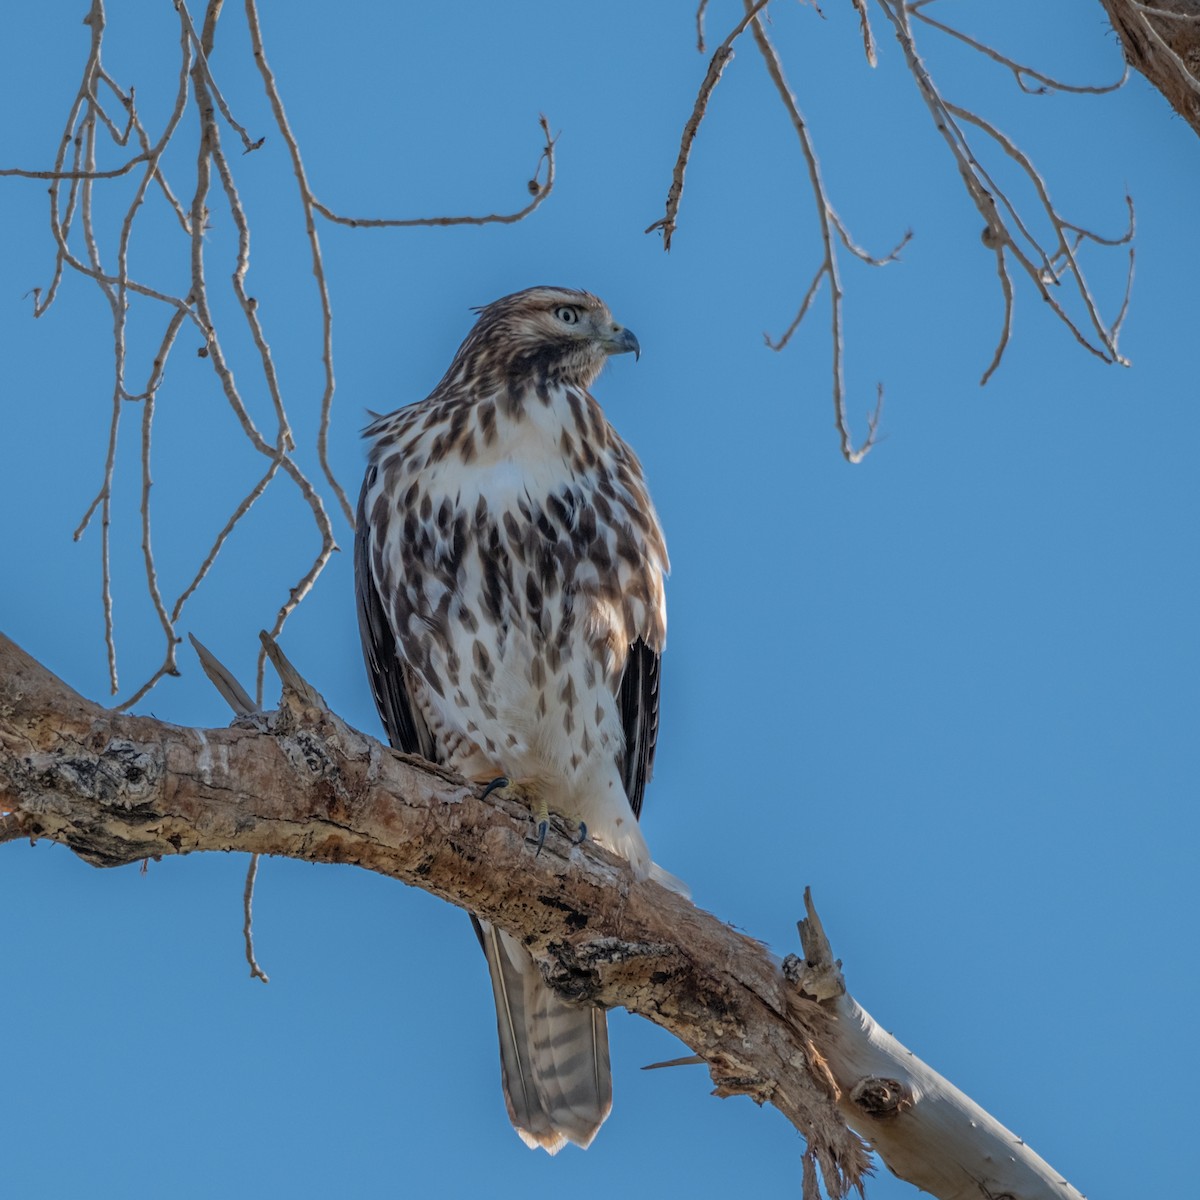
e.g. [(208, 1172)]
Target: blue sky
[(953, 689)]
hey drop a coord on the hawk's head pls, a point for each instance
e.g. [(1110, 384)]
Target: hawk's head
[(559, 334)]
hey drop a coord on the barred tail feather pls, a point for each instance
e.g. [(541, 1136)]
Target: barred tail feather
[(553, 1055)]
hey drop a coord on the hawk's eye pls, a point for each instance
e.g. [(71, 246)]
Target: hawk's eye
[(566, 314)]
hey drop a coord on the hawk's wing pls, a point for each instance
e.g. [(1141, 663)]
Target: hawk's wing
[(391, 680), (638, 703)]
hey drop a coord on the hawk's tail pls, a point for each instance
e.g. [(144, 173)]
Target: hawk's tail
[(553, 1055)]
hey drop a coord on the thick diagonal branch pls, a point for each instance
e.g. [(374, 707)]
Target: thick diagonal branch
[(299, 782)]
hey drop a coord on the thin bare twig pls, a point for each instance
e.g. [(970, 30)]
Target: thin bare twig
[(153, 153), (117, 307), (276, 101), (1006, 290), (537, 188), (58, 175), (210, 154), (256, 972), (284, 440), (864, 23), (830, 224), (244, 505), (700, 25), (805, 304), (1045, 272), (1021, 72), (1007, 234), (203, 49), (832, 227), (75, 174), (115, 290), (716, 68)]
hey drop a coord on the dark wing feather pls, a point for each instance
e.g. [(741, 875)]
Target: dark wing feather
[(391, 680), (638, 702)]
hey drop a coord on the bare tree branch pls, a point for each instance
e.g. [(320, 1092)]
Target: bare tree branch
[(868, 37), (276, 102), (716, 68), (117, 789), (75, 174), (829, 221), (538, 188), (1050, 260), (830, 224), (256, 972), (1021, 72), (1007, 232)]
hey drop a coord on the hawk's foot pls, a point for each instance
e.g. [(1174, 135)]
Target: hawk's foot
[(541, 814), (504, 787)]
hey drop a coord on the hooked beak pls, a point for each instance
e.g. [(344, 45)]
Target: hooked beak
[(622, 341)]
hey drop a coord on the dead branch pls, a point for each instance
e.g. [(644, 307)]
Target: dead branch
[(1050, 260), (1046, 261), (256, 972), (75, 174), (117, 789), (868, 36), (716, 68), (830, 225), (1022, 73), (538, 188)]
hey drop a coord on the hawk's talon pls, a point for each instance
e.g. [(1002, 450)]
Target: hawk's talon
[(541, 814), (497, 784), (582, 834)]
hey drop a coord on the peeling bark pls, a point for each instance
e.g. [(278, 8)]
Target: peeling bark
[(1161, 39), (301, 783)]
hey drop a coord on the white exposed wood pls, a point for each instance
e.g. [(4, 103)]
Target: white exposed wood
[(921, 1125)]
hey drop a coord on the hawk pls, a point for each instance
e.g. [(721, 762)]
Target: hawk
[(509, 568)]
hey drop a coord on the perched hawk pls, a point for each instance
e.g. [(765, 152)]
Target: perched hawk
[(509, 571)]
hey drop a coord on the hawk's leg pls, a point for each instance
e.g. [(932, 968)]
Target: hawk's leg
[(540, 809)]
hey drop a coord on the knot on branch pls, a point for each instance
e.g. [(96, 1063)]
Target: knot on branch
[(306, 751), (91, 799), (879, 1098), (574, 971), (815, 980), (121, 775)]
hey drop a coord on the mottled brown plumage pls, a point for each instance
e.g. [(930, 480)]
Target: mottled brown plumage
[(510, 570)]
